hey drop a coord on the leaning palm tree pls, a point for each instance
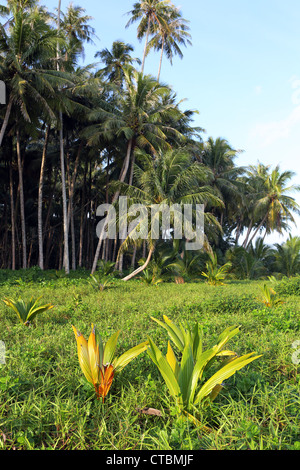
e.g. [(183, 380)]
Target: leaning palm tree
[(149, 13), (171, 180)]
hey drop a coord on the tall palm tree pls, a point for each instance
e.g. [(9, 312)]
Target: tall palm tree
[(77, 30), (149, 13), (139, 117), (115, 60), (171, 179), (26, 48), (169, 36)]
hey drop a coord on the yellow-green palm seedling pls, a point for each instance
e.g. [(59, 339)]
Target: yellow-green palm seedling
[(98, 361), (27, 311), (183, 376), (269, 296), (215, 274)]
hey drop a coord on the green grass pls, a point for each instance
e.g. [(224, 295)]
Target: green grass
[(45, 403)]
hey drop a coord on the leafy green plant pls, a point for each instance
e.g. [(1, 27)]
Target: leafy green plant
[(149, 277), (269, 296), (27, 311), (105, 268), (215, 274), (98, 362), (289, 286), (100, 282), (182, 376)]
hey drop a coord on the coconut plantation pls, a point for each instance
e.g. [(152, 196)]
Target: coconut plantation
[(149, 269)]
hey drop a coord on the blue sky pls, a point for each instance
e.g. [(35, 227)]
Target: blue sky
[(242, 73)]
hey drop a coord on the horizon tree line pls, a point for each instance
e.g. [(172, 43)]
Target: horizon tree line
[(75, 136)]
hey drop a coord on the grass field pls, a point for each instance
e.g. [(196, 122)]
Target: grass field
[(46, 404)]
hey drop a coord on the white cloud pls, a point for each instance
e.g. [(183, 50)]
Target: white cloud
[(258, 90), (269, 132)]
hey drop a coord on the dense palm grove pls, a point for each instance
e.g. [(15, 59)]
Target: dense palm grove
[(73, 137)]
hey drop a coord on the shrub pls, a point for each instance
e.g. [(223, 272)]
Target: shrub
[(289, 286)]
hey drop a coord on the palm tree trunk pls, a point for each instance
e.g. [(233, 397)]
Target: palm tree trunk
[(12, 215), (82, 214), (258, 228), (141, 268), (66, 261), (133, 257), (247, 235), (146, 44), (5, 121), (115, 197), (161, 58), (22, 203), (70, 208), (40, 201)]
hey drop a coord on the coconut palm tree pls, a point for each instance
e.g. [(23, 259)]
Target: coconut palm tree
[(115, 60), (219, 156), (287, 256), (27, 46), (171, 179), (170, 36), (77, 30), (140, 118), (149, 13), (273, 207)]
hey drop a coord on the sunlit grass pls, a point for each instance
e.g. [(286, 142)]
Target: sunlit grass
[(46, 404)]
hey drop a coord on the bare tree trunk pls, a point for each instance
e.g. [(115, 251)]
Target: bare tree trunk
[(133, 257), (5, 121), (66, 261), (146, 44), (141, 268), (82, 216), (40, 201), (12, 215), (258, 228), (248, 234), (161, 57), (70, 208), (22, 203)]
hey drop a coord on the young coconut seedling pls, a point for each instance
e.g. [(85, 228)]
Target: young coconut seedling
[(186, 376), (269, 296), (98, 361), (27, 311)]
